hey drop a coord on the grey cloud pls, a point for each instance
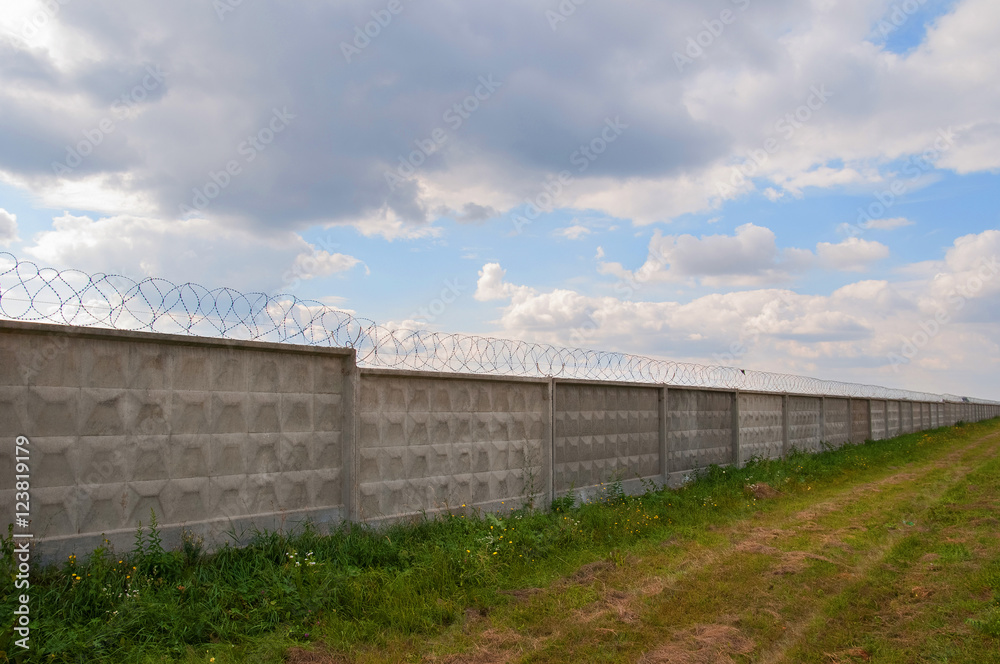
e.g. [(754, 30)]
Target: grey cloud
[(8, 228), (353, 121)]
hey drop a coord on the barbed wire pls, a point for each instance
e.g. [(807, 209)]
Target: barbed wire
[(73, 297)]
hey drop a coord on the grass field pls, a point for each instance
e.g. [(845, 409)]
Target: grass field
[(883, 552)]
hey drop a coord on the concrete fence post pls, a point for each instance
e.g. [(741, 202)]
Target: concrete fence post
[(351, 468), (549, 453), (785, 431), (871, 420), (663, 409), (822, 420), (737, 461), (850, 420)]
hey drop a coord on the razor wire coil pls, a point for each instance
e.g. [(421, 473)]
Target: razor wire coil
[(72, 297)]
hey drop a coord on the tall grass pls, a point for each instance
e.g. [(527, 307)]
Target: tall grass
[(375, 583)]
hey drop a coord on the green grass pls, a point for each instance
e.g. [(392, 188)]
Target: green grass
[(362, 587)]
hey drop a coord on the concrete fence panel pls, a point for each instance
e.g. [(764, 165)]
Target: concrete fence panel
[(805, 423), (699, 430), (213, 435), (879, 419), (837, 421), (860, 421), (893, 418), (761, 426), (605, 432), (433, 442)]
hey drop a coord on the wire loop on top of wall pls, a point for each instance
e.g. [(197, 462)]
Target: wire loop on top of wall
[(72, 297)]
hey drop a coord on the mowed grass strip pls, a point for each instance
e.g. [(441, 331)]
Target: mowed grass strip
[(762, 586), (935, 594), (715, 570)]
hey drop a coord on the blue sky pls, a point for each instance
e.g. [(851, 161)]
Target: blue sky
[(713, 159)]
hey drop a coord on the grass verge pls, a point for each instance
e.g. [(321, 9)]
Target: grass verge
[(589, 582)]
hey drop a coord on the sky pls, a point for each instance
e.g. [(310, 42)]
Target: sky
[(797, 186)]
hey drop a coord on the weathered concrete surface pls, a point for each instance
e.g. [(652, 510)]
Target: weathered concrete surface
[(952, 413), (879, 420), (859, 421), (699, 429), (211, 435), (429, 442), (805, 424), (838, 422), (604, 432), (906, 410), (761, 426), (892, 419)]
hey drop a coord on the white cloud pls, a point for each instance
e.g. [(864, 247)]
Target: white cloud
[(852, 255), (750, 257), (8, 228), (846, 335), (490, 285), (574, 232), (196, 250), (312, 264), (887, 224), (389, 225)]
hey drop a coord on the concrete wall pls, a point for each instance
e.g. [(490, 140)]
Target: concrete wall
[(761, 426), (837, 430), (210, 434), (805, 423), (860, 422), (879, 420), (216, 435), (604, 432), (430, 442), (699, 430), (892, 426), (906, 410)]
